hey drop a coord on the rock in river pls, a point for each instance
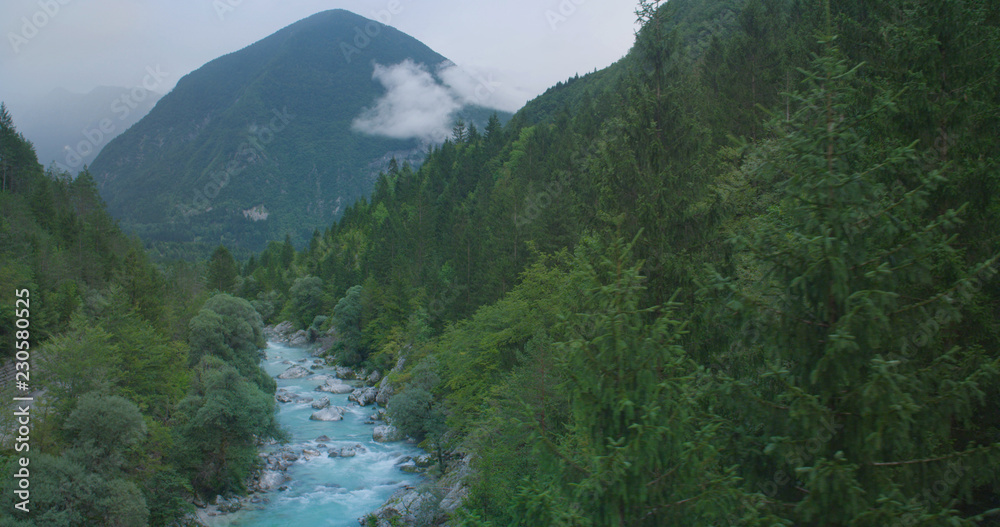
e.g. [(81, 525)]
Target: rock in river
[(335, 386), (386, 434), (363, 396), (333, 413), (270, 479), (295, 372)]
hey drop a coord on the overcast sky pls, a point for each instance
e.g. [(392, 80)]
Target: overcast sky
[(527, 45)]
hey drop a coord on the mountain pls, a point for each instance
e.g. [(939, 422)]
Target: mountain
[(70, 128), (280, 137)]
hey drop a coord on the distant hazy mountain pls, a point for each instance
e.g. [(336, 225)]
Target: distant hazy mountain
[(281, 136), (71, 128)]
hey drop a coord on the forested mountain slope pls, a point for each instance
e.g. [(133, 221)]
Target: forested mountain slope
[(745, 277)]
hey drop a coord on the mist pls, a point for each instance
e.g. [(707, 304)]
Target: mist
[(422, 104)]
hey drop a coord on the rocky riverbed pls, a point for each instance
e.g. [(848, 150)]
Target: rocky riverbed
[(342, 462)]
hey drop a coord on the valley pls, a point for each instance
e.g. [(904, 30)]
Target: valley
[(744, 275)]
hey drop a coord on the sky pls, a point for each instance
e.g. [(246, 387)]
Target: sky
[(524, 46)]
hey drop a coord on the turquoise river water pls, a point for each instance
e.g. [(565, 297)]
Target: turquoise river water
[(324, 491)]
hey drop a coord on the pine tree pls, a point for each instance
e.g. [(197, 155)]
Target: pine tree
[(222, 271), (865, 412), (638, 447)]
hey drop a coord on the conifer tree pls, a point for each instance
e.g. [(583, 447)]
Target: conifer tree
[(862, 422), (638, 447), (222, 271)]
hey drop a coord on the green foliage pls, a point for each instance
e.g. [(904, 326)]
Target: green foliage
[(63, 494), (108, 331), (222, 272), (348, 321), (855, 404), (88, 483), (154, 382), (632, 394), (78, 362), (123, 505), (230, 328), (305, 298), (416, 412), (222, 420), (102, 428)]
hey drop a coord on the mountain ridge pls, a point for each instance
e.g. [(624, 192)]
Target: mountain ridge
[(209, 154)]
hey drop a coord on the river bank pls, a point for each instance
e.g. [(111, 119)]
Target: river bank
[(331, 472)]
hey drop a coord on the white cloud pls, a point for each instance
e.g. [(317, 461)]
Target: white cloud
[(415, 105), (481, 88), (421, 104)]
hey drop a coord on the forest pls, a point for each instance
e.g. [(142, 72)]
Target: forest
[(747, 275), (154, 394)]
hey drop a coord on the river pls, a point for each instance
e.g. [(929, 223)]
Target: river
[(324, 491)]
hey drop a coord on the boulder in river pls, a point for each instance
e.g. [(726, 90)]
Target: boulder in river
[(386, 434), (343, 452), (385, 391), (333, 413), (345, 373), (401, 509), (363, 396), (228, 505), (295, 372), (321, 403), (300, 338), (283, 328), (284, 397), (270, 479), (335, 386)]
